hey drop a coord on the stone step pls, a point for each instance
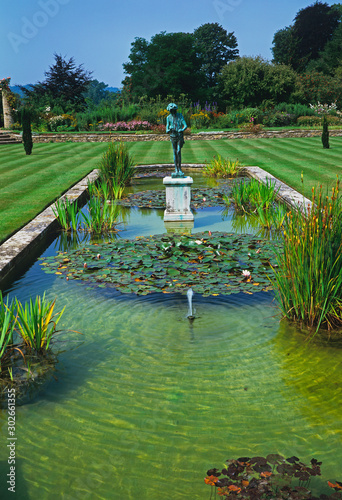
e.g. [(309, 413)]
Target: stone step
[(9, 138)]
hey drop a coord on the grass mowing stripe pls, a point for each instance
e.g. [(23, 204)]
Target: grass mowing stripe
[(325, 155), (201, 151), (47, 177), (144, 152), (160, 152), (66, 163), (314, 173)]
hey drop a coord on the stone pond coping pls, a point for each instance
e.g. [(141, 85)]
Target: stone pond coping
[(21, 249), (211, 135)]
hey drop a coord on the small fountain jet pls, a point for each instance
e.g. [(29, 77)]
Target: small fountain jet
[(190, 314)]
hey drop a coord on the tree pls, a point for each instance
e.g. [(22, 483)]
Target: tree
[(325, 133), (249, 81), (215, 48), (64, 86), (315, 86), (27, 134), (313, 27), (331, 56), (303, 41), (284, 46), (167, 65), (97, 93)]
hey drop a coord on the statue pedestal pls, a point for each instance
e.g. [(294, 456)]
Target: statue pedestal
[(179, 227), (178, 197)]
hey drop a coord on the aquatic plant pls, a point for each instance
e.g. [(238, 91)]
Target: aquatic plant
[(37, 322), (308, 279), (66, 213), (116, 168), (267, 478), (6, 330), (248, 194), (209, 263), (222, 168), (270, 218), (101, 215)]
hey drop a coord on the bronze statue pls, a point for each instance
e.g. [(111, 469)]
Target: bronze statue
[(175, 126)]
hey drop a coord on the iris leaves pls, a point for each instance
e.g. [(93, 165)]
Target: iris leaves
[(209, 264)]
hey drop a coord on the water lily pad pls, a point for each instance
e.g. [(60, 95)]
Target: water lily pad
[(200, 198), (210, 264)]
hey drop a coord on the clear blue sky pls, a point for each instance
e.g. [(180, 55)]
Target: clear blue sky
[(98, 34)]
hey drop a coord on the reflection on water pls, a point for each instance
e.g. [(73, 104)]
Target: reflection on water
[(148, 401)]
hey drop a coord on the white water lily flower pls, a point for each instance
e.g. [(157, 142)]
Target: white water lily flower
[(246, 273), (199, 242)]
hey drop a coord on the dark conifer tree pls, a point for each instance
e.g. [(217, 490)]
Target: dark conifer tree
[(27, 133), (325, 133)]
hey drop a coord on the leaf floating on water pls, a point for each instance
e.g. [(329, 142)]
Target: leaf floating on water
[(209, 266)]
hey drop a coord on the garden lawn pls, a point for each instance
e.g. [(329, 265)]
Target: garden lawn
[(286, 159), (30, 183)]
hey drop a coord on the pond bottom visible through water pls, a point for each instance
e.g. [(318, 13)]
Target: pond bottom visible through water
[(145, 401)]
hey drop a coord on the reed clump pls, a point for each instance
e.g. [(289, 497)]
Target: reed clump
[(258, 200), (116, 168), (308, 279), (222, 168), (249, 194)]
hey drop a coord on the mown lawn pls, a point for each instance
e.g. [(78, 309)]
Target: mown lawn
[(30, 183)]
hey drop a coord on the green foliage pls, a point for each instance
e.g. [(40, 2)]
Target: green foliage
[(248, 194), (200, 198), (168, 64), (116, 167), (284, 46), (330, 57), (318, 87), (308, 278), (317, 121), (95, 118), (97, 94), (270, 218), (67, 214), (37, 322), (101, 215), (148, 265), (258, 200), (304, 42), (27, 133), (268, 478), (216, 47), (325, 133), (222, 168), (65, 85), (6, 331), (313, 27), (250, 81), (296, 109)]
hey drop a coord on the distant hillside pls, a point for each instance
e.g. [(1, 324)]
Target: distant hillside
[(113, 89), (17, 89)]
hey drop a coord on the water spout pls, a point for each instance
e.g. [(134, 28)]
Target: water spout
[(190, 315)]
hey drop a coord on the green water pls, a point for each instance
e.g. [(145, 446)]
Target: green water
[(144, 402)]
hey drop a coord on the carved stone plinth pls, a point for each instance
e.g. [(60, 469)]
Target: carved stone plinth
[(178, 197)]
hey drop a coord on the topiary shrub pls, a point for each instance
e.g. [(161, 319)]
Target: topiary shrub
[(325, 133), (27, 133)]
